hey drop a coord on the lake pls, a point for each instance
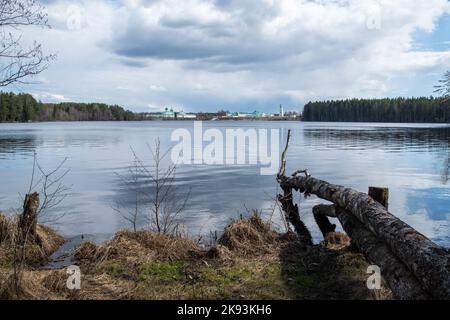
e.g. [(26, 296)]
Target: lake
[(411, 159)]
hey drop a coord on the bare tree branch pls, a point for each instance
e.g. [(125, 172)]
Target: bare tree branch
[(443, 88), (17, 61), (158, 196)]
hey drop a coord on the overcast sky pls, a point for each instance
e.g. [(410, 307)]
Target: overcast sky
[(206, 55)]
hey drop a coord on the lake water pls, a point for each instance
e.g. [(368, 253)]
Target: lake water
[(412, 160)]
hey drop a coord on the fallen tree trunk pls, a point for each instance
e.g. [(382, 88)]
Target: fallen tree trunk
[(398, 277), (429, 262)]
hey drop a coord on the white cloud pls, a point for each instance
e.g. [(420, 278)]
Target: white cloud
[(51, 97), (210, 53), (157, 88)]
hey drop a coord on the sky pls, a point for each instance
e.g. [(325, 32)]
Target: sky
[(239, 55)]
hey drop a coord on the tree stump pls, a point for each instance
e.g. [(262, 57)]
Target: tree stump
[(28, 219)]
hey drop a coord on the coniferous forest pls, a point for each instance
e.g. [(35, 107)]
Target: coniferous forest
[(430, 110), (24, 108)]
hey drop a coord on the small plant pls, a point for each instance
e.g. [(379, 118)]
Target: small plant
[(156, 197)]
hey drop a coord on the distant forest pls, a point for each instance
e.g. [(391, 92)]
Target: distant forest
[(24, 108), (430, 110)]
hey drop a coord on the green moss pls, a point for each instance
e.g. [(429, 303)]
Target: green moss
[(247, 279), (162, 271), (116, 270)]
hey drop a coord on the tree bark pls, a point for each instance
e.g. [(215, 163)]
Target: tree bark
[(292, 215), (399, 279), (321, 213), (429, 262)]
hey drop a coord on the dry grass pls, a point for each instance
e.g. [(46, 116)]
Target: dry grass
[(251, 261), (36, 252), (250, 236), (135, 248)]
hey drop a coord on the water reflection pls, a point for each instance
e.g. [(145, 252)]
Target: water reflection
[(16, 144), (446, 170), (413, 161), (389, 139)]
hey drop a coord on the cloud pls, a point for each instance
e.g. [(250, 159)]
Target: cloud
[(50, 97), (202, 54), (157, 88)]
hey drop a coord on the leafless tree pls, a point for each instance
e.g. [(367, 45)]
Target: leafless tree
[(132, 180), (17, 61), (45, 185), (166, 203), (443, 88), (159, 197)]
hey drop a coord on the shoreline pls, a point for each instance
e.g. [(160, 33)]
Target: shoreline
[(250, 261), (233, 120)]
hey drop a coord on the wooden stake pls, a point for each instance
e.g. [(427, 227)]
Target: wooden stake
[(380, 195)]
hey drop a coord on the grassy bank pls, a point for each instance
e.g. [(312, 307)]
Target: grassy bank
[(250, 261)]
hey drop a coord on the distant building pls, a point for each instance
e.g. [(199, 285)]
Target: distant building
[(254, 114), (182, 115), (171, 114), (167, 113)]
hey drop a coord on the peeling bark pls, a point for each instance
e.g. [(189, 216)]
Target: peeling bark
[(428, 262)]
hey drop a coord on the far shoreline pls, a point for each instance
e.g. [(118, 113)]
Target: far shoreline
[(230, 120)]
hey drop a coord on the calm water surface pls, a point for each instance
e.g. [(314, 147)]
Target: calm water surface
[(412, 160)]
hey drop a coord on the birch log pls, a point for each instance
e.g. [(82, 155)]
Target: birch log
[(399, 279), (429, 262)]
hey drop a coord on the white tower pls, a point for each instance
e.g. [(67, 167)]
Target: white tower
[(281, 111)]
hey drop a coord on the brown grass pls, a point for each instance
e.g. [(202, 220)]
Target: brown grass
[(251, 261), (135, 248), (37, 251), (251, 236)]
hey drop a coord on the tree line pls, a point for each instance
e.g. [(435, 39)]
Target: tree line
[(423, 109), (24, 108)]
